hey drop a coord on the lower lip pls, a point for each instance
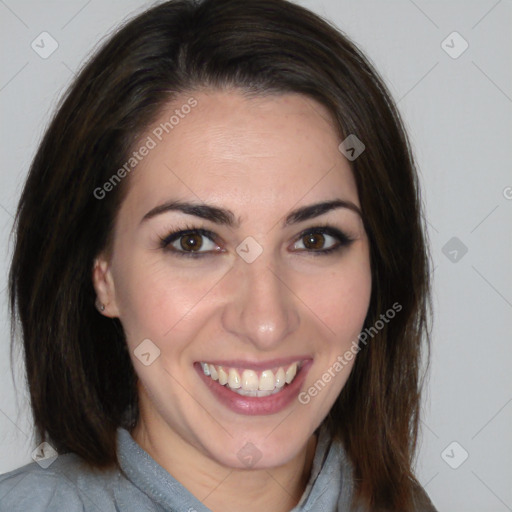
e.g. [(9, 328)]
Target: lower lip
[(251, 405)]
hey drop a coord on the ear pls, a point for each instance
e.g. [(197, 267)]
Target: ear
[(104, 285)]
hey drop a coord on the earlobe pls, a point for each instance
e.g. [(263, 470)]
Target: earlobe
[(103, 283)]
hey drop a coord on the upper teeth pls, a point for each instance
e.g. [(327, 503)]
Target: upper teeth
[(269, 380)]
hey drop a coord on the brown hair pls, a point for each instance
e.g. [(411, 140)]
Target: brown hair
[(81, 380)]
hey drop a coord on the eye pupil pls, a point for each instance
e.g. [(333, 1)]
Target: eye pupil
[(314, 241), (191, 242)]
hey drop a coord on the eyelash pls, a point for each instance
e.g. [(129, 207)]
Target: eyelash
[(343, 240)]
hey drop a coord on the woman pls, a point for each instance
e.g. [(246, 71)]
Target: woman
[(221, 275)]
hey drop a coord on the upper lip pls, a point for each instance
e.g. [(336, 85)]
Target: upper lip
[(257, 365)]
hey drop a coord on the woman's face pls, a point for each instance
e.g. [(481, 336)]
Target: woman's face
[(248, 289)]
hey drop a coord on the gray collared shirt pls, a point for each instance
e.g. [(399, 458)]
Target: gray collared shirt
[(142, 485)]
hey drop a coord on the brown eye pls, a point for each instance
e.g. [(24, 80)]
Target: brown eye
[(314, 241), (322, 240), (191, 242)]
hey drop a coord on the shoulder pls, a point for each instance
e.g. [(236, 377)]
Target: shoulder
[(34, 488), (422, 502), (66, 484)]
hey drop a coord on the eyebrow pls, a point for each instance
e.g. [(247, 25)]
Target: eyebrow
[(222, 216)]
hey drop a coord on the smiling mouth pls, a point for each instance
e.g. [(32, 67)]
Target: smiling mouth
[(253, 383)]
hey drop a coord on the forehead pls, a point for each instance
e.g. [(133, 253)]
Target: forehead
[(272, 150)]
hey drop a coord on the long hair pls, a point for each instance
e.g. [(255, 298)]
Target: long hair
[(80, 376)]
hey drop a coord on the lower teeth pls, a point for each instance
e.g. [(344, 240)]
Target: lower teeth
[(257, 393)]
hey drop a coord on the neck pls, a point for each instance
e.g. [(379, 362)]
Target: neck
[(224, 489)]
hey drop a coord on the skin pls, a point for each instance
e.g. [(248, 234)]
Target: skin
[(260, 158)]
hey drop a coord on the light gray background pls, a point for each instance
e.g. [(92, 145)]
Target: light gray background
[(458, 114)]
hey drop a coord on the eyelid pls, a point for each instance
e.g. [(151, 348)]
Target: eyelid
[(328, 229)]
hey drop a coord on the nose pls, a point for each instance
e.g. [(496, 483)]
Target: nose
[(263, 309)]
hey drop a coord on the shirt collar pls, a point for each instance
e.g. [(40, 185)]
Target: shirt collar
[(329, 485)]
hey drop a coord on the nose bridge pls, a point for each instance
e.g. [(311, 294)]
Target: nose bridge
[(262, 310)]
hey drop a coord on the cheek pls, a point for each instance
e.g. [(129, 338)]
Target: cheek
[(147, 298), (340, 298), (160, 301)]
